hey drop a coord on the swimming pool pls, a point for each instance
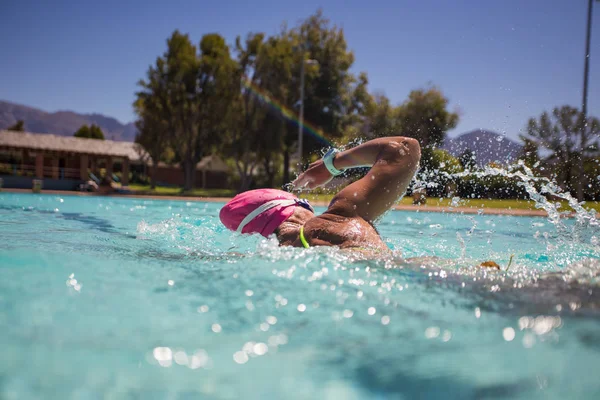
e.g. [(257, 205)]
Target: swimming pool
[(131, 298)]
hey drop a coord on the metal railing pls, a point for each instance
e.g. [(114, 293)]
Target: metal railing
[(47, 172)]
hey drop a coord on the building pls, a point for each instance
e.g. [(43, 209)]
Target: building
[(211, 173), (63, 162)]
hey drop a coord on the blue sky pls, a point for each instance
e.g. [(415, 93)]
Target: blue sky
[(499, 62)]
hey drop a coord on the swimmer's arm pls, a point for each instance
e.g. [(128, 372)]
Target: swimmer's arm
[(366, 154), (393, 162)]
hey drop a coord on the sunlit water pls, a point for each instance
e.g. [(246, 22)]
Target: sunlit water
[(149, 299)]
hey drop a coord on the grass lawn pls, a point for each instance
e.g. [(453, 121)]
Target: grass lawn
[(474, 203), (499, 203), (177, 191), (324, 197)]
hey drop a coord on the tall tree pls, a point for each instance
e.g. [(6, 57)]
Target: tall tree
[(153, 118), (529, 152), (379, 117), (218, 88), (243, 142), (197, 87), (275, 68), (560, 132), (359, 115), (424, 116), (181, 72), (19, 126), (328, 82), (90, 132)]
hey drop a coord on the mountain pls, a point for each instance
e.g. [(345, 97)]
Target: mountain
[(63, 123), (487, 146)]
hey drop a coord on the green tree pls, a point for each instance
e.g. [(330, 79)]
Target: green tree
[(153, 119), (181, 104), (217, 89), (529, 152), (83, 132), (467, 159), (592, 171), (446, 162), (275, 68), (192, 94), (560, 133), (424, 116), (329, 84), (243, 139), (89, 132), (435, 168), (19, 126), (363, 110), (376, 118)]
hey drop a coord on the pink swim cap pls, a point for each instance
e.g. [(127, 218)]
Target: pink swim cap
[(259, 211)]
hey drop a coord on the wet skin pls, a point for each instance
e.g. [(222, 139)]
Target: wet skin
[(348, 222)]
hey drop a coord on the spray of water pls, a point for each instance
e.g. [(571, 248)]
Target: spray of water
[(526, 178)]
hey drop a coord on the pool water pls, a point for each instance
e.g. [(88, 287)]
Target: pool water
[(151, 299)]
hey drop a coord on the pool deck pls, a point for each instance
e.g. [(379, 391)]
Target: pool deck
[(400, 207)]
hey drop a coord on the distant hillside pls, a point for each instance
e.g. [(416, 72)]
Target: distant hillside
[(63, 123), (488, 146)]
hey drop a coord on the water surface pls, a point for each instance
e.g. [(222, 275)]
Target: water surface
[(129, 298)]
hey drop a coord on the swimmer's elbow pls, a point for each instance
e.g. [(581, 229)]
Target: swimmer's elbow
[(414, 148), (402, 149)]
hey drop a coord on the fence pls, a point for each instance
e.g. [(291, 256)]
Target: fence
[(30, 171)]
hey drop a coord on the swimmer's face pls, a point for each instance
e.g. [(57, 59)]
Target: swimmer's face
[(303, 214), (289, 228)]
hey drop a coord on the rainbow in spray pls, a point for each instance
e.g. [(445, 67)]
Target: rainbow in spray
[(286, 112)]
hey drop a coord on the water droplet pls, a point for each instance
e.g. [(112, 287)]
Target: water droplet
[(508, 334), (432, 332), (240, 357), (528, 340), (198, 360), (446, 336), (260, 349), (180, 358), (163, 355)]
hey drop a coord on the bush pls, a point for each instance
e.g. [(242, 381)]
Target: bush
[(494, 187), (437, 165)]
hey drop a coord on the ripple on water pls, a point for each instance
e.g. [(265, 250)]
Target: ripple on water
[(170, 299)]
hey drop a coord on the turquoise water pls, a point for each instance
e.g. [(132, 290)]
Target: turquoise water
[(148, 299)]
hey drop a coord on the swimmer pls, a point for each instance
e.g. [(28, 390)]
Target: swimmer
[(348, 222)]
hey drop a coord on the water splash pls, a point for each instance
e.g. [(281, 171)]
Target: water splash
[(541, 195)]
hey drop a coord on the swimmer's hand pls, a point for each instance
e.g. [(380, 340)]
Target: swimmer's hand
[(316, 175), (490, 264)]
